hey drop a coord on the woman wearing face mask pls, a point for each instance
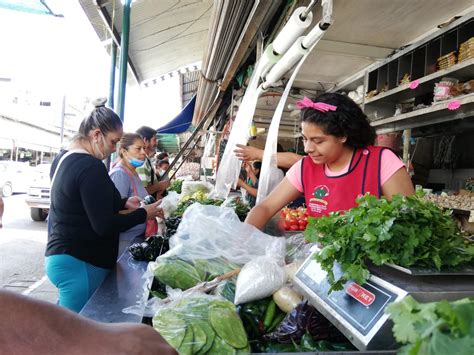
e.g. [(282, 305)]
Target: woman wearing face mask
[(84, 216), (131, 150)]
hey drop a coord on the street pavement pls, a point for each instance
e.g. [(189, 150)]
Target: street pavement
[(22, 245)]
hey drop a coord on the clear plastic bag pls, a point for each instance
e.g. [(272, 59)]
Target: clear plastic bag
[(209, 242), (169, 203), (190, 187), (210, 232), (199, 323), (258, 279)]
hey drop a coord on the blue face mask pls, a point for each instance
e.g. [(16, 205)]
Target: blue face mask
[(136, 163)]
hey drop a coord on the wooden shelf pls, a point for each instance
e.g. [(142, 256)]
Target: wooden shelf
[(436, 113), (461, 71)]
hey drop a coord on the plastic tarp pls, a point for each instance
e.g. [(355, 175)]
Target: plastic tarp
[(180, 123), (31, 6)]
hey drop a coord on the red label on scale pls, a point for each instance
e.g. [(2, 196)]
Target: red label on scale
[(360, 294)]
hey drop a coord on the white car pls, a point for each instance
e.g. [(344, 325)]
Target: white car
[(37, 197), (14, 177)]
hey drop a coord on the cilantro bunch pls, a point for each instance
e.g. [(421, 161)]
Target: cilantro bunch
[(406, 231), (436, 328)]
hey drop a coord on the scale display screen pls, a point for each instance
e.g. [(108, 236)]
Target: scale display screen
[(361, 306)]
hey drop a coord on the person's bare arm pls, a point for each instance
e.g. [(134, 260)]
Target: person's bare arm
[(284, 160), (30, 326), (399, 183), (158, 187), (250, 190), (283, 194)]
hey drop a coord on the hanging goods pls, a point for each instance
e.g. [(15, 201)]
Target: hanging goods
[(226, 178), (268, 180)]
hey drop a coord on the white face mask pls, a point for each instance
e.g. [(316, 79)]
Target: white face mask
[(97, 152)]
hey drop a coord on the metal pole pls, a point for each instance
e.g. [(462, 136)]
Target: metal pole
[(113, 64), (127, 4), (63, 113), (406, 147), (308, 9)]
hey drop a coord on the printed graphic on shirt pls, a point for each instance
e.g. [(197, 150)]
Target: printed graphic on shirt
[(318, 203)]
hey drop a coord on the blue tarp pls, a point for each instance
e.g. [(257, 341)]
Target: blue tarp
[(180, 123)]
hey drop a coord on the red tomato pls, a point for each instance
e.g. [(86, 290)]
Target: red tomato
[(302, 225), (294, 227), (292, 222)]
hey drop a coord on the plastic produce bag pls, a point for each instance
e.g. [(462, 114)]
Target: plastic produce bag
[(199, 323), (169, 203), (258, 279), (211, 241), (212, 232), (190, 187)]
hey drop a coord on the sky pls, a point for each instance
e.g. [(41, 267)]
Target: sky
[(57, 56)]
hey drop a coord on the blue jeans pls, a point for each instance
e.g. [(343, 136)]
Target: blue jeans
[(75, 279)]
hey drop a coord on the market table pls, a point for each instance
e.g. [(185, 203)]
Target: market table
[(123, 287)]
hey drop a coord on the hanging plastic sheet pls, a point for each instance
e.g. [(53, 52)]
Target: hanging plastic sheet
[(230, 165), (269, 169)]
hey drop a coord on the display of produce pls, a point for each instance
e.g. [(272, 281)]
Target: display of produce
[(172, 224), (198, 196), (294, 219), (202, 325), (150, 249), (240, 207), (461, 202), (176, 185), (436, 328), (407, 231), (304, 319), (178, 273)]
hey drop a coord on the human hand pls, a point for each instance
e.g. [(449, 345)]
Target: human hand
[(247, 153), (153, 210), (133, 203)]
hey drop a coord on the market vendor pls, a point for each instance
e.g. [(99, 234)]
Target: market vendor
[(341, 163), (147, 173)]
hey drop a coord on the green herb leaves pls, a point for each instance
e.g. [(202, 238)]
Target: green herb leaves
[(436, 328), (406, 231)]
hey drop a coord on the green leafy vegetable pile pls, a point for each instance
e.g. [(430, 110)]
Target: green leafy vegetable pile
[(406, 231), (176, 185), (436, 328), (178, 273), (199, 197)]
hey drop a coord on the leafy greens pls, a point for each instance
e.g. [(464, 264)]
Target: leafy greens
[(406, 231)]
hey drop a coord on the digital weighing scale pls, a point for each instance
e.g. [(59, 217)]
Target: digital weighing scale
[(358, 310)]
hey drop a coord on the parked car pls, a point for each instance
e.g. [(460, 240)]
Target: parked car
[(14, 177), (37, 197)]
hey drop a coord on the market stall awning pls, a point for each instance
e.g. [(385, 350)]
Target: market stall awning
[(180, 123)]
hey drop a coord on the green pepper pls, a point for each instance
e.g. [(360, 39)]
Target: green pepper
[(280, 348), (307, 343), (278, 319), (269, 314)]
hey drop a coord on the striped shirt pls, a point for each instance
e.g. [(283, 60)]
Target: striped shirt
[(145, 171)]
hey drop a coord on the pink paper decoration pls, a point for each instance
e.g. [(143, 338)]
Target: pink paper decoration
[(454, 105), (414, 84)]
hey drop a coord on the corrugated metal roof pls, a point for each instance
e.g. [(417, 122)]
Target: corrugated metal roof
[(164, 34)]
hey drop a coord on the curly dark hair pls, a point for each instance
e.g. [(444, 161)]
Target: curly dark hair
[(347, 121)]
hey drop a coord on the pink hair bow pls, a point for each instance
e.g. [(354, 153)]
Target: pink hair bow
[(320, 106)]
